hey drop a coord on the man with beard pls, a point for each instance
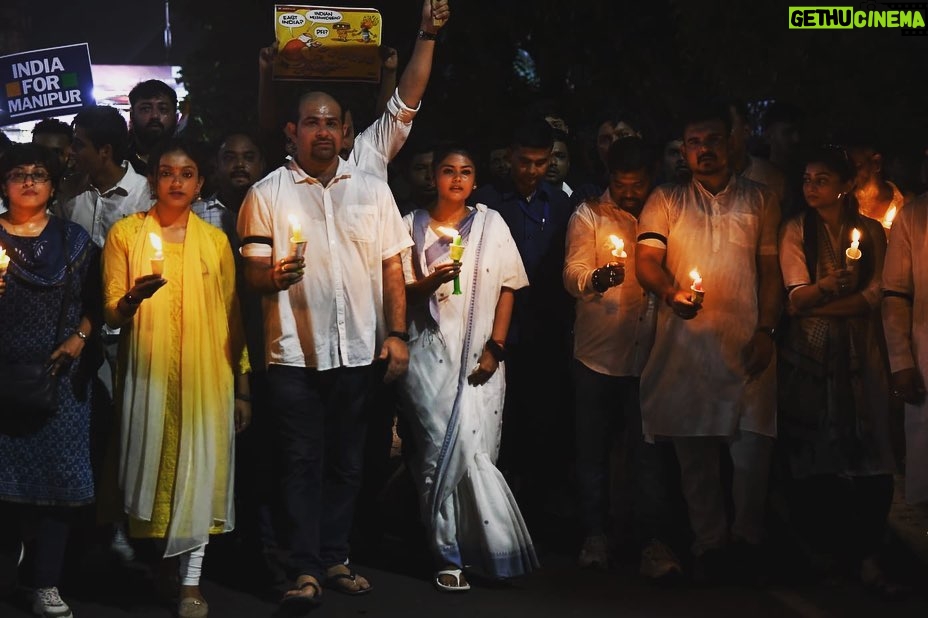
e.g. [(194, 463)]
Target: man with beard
[(239, 164), (710, 379), (327, 318), (152, 117), (613, 332)]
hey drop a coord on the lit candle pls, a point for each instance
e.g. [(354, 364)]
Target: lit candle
[(888, 217), (157, 260), (698, 293), (853, 252), (455, 251), (4, 261), (619, 247), (297, 241)]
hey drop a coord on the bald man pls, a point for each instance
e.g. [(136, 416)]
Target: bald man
[(334, 321)]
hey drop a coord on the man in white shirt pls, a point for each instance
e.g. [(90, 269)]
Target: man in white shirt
[(613, 331), (114, 189), (710, 378), (328, 318)]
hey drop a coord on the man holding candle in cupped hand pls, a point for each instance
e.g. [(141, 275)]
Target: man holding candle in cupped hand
[(613, 332), (710, 378), (328, 317)]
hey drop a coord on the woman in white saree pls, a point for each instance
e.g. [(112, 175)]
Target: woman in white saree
[(454, 390)]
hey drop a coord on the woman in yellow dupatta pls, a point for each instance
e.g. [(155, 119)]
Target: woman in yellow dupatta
[(182, 388)]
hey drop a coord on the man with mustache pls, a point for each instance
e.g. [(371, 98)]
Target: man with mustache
[(327, 318), (152, 118), (613, 331), (710, 380)]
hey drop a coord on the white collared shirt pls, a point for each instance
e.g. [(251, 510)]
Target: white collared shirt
[(376, 145), (334, 316), (96, 212), (613, 331)]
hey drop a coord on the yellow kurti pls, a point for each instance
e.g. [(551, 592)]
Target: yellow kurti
[(175, 382), (170, 440)]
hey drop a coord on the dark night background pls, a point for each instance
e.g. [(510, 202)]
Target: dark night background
[(591, 56)]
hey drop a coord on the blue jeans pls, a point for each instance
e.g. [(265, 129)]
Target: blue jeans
[(604, 406), (321, 429)]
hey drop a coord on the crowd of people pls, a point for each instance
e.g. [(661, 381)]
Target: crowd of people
[(681, 331)]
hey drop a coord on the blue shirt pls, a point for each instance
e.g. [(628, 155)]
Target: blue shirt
[(539, 228)]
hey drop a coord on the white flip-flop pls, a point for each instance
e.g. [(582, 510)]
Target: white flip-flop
[(456, 574)]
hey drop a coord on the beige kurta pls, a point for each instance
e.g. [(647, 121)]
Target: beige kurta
[(694, 383), (905, 322)]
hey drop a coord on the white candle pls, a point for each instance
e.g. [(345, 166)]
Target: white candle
[(297, 240), (853, 252), (698, 293), (619, 247), (888, 217), (296, 230), (157, 260)]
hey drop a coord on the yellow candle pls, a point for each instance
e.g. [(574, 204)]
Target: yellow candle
[(4, 261)]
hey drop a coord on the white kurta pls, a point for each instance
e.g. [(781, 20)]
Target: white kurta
[(473, 516), (905, 322), (694, 383)]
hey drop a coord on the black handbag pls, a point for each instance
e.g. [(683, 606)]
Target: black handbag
[(30, 390)]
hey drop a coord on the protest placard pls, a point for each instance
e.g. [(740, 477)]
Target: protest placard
[(45, 82), (327, 43)]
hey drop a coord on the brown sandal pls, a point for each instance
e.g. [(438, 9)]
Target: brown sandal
[(297, 597)]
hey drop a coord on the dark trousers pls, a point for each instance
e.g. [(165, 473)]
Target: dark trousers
[(257, 464), (49, 527), (604, 406), (321, 430)]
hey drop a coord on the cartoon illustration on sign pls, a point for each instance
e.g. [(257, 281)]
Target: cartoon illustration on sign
[(327, 43)]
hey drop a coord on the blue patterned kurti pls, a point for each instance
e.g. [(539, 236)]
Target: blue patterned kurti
[(50, 466)]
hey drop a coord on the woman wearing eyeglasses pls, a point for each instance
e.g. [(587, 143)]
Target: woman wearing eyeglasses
[(50, 310)]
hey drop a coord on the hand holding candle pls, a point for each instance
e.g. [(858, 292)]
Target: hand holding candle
[(157, 260), (697, 291), (297, 240), (456, 252)]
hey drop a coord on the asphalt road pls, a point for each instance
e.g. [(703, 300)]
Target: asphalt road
[(559, 589)]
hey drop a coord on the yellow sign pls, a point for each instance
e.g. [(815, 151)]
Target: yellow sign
[(327, 43)]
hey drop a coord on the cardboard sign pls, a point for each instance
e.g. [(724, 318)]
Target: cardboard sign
[(45, 82), (327, 43)]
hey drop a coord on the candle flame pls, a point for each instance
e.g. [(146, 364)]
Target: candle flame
[(694, 275), (2, 254), (450, 232), (155, 241), (296, 230), (855, 235), (618, 243), (889, 216)]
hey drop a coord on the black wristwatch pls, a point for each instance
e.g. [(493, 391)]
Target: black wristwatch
[(399, 334)]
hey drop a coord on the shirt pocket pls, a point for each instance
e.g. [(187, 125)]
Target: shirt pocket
[(742, 229), (362, 222)]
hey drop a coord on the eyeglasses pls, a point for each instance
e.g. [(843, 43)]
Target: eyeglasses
[(38, 177)]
